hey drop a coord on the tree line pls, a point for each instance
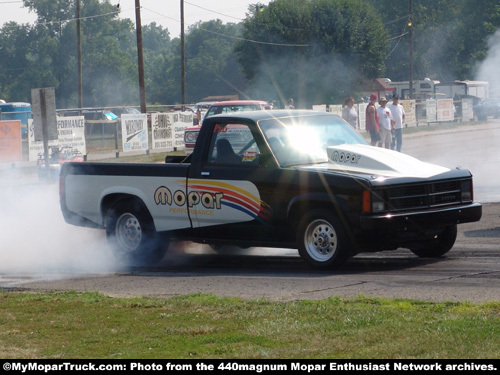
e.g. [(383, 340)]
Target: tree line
[(317, 51)]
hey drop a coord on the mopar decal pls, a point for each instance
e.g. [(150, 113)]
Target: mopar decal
[(224, 201), (344, 157), (164, 196)]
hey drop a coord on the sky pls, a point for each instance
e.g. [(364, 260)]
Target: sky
[(164, 12)]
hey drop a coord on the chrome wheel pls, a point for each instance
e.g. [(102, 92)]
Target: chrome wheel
[(132, 235), (320, 240), (128, 232)]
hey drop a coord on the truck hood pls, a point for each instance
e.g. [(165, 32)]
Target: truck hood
[(379, 161)]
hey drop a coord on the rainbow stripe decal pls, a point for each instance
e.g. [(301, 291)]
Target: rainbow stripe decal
[(235, 197)]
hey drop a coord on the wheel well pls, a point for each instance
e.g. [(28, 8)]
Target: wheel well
[(112, 200), (300, 208)]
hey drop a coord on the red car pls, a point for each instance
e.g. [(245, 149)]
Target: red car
[(191, 133)]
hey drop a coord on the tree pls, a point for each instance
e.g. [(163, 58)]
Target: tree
[(109, 74), (450, 36), (317, 51), (14, 60), (479, 22), (211, 66)]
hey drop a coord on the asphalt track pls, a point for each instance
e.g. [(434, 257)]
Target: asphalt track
[(469, 272)]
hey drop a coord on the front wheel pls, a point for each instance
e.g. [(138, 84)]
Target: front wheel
[(439, 245), (321, 240), (131, 234)]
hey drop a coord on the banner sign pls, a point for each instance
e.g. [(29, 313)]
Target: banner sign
[(467, 109), (319, 107), (162, 131), (181, 121), (362, 115), (336, 109), (71, 137), (431, 110), (168, 129), (135, 132), (10, 141), (410, 112), (445, 110)]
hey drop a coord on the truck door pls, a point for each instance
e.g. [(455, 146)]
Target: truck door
[(231, 188)]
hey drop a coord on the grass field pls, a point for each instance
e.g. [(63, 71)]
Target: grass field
[(89, 325)]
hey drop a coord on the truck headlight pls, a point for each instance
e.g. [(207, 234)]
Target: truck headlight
[(190, 137), (466, 191), (378, 203)]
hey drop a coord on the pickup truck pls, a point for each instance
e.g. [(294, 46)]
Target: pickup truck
[(290, 179)]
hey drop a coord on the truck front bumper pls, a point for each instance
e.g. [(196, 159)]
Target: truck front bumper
[(410, 224)]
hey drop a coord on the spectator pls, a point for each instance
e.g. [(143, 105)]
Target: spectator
[(386, 123), (289, 104), (372, 121), (398, 114), (349, 112)]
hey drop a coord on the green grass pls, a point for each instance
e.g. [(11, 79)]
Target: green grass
[(90, 325)]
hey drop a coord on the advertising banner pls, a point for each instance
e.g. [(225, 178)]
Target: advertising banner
[(70, 141), (362, 115), (135, 132), (335, 109), (162, 131), (181, 121), (467, 109), (431, 110), (319, 107), (445, 110), (168, 129), (10, 141), (410, 112)]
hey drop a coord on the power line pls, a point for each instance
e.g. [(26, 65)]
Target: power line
[(213, 11), (256, 41), (234, 37), (81, 18)]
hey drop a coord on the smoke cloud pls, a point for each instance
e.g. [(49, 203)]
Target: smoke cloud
[(489, 69), (314, 79), (35, 240)]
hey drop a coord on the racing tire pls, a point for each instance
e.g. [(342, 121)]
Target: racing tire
[(131, 233), (438, 246), (322, 240)]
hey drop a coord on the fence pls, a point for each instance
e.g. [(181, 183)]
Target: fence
[(421, 113)]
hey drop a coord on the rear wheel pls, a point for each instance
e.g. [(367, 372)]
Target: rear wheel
[(439, 245), (132, 235), (321, 240)]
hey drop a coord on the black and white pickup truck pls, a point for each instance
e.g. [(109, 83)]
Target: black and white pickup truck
[(294, 179)]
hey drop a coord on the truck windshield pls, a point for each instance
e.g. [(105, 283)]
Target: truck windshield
[(304, 139)]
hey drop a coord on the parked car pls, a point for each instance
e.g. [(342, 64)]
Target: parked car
[(225, 107), (488, 107), (90, 114), (200, 109)]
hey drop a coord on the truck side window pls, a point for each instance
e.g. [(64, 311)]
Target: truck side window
[(233, 144)]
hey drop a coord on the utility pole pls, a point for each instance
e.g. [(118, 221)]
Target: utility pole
[(79, 55), (140, 56), (183, 58), (410, 24)]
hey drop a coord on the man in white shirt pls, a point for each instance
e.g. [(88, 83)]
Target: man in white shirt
[(386, 122), (398, 114)]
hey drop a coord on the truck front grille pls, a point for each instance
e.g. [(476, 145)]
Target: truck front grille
[(421, 196)]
